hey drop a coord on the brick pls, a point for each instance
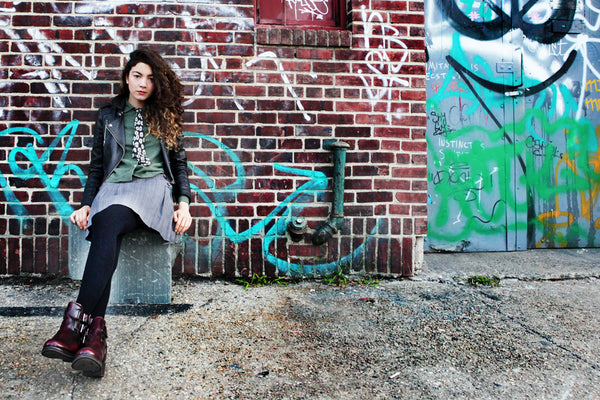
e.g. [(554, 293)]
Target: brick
[(318, 105), (370, 259), (257, 266), (53, 255), (419, 159), (407, 226), (52, 7), (234, 76), (72, 21), (154, 22), (331, 67), (418, 108), (421, 226), (416, 6), (375, 197), (383, 260), (3, 256), (352, 131), (235, 50), (372, 119), (381, 157), (401, 18), (395, 256), (297, 37), (286, 36), (322, 38), (315, 54), (336, 119), (27, 102), (348, 80), (131, 8), (310, 38), (409, 172), (262, 35), (257, 118), (408, 197), (27, 255), (387, 5), (296, 118), (407, 256), (31, 20), (311, 158), (414, 146), (14, 256), (242, 257), (314, 79)]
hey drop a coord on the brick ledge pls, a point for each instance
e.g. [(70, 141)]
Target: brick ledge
[(303, 37)]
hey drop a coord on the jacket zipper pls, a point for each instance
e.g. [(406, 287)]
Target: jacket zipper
[(107, 128)]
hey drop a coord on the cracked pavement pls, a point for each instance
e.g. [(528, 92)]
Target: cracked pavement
[(535, 336)]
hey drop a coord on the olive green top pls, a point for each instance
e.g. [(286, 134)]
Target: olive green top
[(129, 166)]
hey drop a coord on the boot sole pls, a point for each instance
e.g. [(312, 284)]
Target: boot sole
[(57, 352), (89, 365)]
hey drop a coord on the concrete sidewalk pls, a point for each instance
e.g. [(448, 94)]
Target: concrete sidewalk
[(535, 336)]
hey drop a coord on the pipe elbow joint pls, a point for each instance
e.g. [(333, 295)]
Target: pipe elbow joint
[(324, 233)]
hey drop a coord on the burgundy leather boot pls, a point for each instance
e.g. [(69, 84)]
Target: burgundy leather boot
[(69, 338), (91, 358)]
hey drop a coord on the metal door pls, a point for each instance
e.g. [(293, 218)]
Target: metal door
[(476, 198), (513, 160)]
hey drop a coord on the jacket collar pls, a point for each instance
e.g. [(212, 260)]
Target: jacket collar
[(119, 102)]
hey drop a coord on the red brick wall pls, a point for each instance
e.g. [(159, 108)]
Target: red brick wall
[(263, 104)]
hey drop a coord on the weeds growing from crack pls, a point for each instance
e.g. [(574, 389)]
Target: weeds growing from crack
[(480, 280), (259, 281), (336, 278)]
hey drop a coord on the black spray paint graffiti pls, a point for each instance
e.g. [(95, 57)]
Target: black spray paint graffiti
[(544, 32), (459, 175), (490, 30), (496, 28), (542, 148), (440, 126)]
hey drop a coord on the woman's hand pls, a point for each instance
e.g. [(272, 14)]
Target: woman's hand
[(80, 217), (182, 218)]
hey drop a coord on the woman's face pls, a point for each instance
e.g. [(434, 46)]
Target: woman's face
[(141, 84)]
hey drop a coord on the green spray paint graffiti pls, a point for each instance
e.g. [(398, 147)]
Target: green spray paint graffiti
[(512, 125), (461, 178)]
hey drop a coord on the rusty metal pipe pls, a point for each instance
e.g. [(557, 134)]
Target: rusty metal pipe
[(336, 217)]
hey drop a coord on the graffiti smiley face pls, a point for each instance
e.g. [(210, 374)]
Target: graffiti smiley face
[(485, 20), (542, 22)]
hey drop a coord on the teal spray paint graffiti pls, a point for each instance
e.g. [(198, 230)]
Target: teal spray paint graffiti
[(37, 168), (215, 199), (317, 182)]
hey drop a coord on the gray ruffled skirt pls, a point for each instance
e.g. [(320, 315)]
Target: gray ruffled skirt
[(150, 198)]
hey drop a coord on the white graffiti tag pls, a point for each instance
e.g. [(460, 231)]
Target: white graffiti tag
[(284, 77), (378, 59), (315, 8)]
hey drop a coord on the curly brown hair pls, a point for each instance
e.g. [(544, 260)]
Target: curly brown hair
[(164, 112)]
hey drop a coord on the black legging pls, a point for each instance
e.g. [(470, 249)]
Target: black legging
[(106, 235)]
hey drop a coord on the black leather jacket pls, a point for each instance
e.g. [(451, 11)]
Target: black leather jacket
[(108, 149)]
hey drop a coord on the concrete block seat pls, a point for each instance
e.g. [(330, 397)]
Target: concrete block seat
[(143, 275)]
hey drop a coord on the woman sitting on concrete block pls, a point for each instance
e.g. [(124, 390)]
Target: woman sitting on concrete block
[(137, 157)]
